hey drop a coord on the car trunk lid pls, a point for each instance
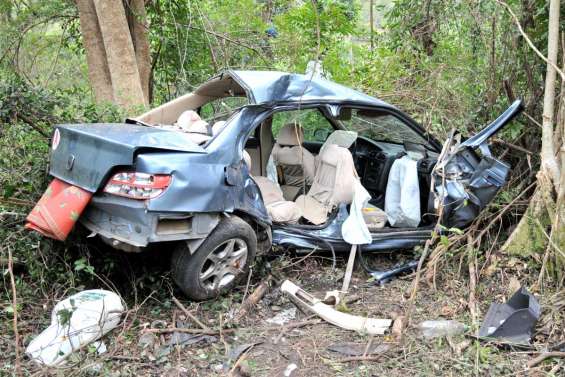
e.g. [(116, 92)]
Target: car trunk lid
[(84, 154)]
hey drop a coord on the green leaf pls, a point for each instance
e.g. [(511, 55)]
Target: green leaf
[(444, 240)]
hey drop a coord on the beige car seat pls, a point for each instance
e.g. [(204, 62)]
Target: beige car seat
[(279, 209), (334, 183), (295, 164)]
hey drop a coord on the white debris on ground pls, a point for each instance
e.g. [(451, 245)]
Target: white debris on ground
[(76, 322), (283, 317)]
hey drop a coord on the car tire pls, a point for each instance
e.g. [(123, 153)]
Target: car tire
[(219, 263)]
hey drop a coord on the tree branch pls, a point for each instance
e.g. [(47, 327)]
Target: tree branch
[(529, 41)]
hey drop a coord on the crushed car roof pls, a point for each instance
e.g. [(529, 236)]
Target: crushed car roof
[(274, 86)]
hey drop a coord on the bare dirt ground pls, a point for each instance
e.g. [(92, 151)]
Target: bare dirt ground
[(252, 346)]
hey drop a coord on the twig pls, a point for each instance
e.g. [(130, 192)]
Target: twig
[(472, 289), (529, 41), (512, 146), (534, 121), (16, 201), (546, 355), (502, 212), (190, 315), (416, 281), (32, 124), (231, 330), (247, 285), (240, 359), (124, 358), (189, 331), (368, 346), (11, 213), (359, 358), (17, 366), (472, 278), (254, 298), (291, 326)]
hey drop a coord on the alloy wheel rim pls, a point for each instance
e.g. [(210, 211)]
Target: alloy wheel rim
[(223, 264)]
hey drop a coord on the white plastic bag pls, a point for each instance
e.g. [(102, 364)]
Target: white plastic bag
[(75, 322), (354, 229), (402, 200)]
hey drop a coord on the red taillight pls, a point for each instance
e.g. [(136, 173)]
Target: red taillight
[(136, 185)]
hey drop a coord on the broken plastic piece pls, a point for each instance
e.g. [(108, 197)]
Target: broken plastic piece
[(514, 320), (76, 322), (383, 276), (346, 321), (436, 329)]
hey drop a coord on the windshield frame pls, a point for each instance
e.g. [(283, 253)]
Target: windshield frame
[(432, 143)]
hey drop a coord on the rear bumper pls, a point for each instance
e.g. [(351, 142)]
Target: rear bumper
[(127, 224)]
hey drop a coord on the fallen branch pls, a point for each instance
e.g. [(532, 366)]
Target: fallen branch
[(16, 201), (188, 331), (190, 315), (232, 330), (32, 124), (254, 298), (359, 358), (124, 358), (546, 355), (512, 146), (285, 328)]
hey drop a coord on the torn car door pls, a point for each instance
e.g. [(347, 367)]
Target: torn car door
[(466, 181)]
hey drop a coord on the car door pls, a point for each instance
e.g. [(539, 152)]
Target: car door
[(467, 176)]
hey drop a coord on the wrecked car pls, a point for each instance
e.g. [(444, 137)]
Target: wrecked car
[(252, 159)]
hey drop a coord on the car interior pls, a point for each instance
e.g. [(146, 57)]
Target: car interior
[(305, 186), (293, 141)]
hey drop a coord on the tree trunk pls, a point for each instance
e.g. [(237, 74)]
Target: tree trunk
[(98, 72), (139, 31), (541, 229), (120, 54), (548, 158)]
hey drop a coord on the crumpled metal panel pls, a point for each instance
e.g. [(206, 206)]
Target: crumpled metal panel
[(273, 86), (215, 181), (467, 195), (464, 180), (513, 321), (301, 237)]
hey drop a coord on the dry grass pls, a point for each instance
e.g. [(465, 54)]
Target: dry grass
[(306, 346)]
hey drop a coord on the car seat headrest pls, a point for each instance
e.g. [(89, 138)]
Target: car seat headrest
[(341, 138), (218, 127), (191, 122), (290, 135)]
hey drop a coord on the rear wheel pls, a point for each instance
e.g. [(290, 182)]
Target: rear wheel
[(220, 262)]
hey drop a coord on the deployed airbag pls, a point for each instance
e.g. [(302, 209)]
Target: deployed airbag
[(402, 199)]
